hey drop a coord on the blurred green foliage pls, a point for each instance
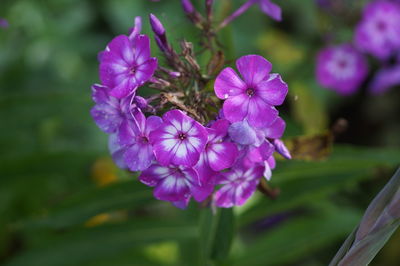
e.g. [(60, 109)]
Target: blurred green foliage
[(62, 203)]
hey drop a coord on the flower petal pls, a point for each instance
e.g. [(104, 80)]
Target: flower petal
[(236, 107), (138, 157), (260, 114), (253, 68), (221, 155), (273, 91), (228, 83), (276, 129), (142, 49)]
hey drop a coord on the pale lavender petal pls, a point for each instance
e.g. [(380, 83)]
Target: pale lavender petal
[(281, 149), (117, 151), (228, 83), (242, 133), (273, 91), (127, 132), (106, 117), (253, 68), (100, 93), (139, 156)]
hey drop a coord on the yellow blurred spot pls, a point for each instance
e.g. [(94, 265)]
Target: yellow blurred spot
[(97, 220), (104, 172), (280, 49), (166, 252), (308, 110)]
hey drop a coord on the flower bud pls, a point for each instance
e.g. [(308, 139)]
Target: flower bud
[(187, 6), (156, 25)]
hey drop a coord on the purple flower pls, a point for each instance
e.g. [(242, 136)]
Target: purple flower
[(3, 23), (384, 79), (179, 140), (379, 30), (134, 135), (237, 186), (109, 112), (117, 151), (175, 184), (219, 154), (341, 68), (126, 65), (254, 98)]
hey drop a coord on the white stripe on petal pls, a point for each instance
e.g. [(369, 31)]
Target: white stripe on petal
[(168, 144), (176, 124), (169, 182), (186, 125), (212, 156), (171, 130), (181, 150), (195, 142)]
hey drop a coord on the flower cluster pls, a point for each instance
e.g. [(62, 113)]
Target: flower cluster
[(181, 140), (344, 67)]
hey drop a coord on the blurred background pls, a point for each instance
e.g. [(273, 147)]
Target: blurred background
[(64, 202)]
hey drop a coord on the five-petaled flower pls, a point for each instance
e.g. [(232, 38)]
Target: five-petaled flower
[(238, 185), (179, 140), (134, 136), (255, 97), (126, 64), (341, 68), (175, 183), (379, 30)]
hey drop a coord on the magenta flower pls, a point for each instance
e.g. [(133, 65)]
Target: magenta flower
[(175, 184), (125, 65), (109, 112), (341, 68), (134, 135), (255, 97), (220, 154), (179, 140), (237, 186), (379, 30)]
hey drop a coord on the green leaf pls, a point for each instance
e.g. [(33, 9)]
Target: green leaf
[(217, 232), (89, 244), (298, 236), (377, 225), (224, 234), (79, 208)]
